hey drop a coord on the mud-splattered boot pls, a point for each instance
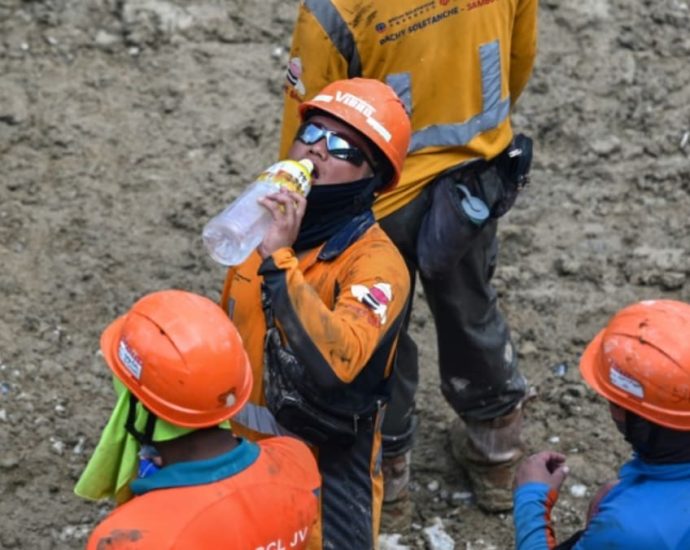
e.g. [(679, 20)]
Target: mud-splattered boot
[(489, 451), (396, 515)]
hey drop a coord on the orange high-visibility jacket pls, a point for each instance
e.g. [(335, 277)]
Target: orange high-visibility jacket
[(458, 66), (340, 307), (329, 300), (256, 497)]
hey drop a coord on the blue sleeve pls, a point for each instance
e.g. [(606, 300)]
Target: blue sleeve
[(531, 516)]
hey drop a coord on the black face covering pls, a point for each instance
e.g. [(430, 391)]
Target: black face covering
[(331, 207), (653, 443)]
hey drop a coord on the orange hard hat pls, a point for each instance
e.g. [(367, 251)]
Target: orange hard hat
[(641, 362), (181, 356), (372, 108)]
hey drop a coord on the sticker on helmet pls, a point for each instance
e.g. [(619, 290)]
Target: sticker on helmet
[(129, 359), (625, 383), (375, 298)]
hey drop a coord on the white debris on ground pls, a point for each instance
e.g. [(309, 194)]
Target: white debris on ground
[(391, 542), (436, 536), (578, 490)]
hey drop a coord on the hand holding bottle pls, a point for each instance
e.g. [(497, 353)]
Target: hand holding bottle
[(231, 236), (287, 209)]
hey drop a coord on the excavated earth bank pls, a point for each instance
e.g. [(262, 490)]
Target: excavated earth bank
[(124, 125)]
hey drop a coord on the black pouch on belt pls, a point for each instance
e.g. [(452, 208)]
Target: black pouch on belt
[(513, 166), (464, 200)]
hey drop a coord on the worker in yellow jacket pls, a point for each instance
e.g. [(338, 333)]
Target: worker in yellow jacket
[(320, 304), (458, 66)]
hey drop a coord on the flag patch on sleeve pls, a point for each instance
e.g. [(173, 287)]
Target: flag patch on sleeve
[(376, 298)]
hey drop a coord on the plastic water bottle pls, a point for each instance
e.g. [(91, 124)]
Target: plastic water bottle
[(231, 236)]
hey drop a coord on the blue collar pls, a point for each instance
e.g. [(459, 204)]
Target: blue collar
[(199, 472), (638, 468), (348, 234)]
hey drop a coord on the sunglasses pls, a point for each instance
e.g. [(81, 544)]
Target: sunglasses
[(337, 146)]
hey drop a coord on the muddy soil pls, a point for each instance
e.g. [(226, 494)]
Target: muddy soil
[(126, 124)]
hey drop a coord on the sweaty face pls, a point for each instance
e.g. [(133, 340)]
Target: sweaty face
[(336, 165)]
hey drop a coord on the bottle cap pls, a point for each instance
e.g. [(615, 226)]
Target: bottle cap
[(308, 165)]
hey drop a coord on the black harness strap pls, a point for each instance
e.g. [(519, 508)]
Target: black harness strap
[(145, 437)]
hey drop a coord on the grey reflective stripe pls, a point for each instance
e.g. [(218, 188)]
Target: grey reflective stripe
[(494, 111), (400, 82), (259, 419), (490, 57), (339, 33)]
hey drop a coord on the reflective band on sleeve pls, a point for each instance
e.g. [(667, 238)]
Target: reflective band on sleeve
[(339, 33)]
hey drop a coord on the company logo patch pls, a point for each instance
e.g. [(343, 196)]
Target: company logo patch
[(375, 298), (293, 75), (129, 359)]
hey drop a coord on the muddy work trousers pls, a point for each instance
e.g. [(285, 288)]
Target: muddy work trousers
[(477, 361)]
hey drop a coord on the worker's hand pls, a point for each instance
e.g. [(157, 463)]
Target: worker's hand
[(545, 467), (287, 209)]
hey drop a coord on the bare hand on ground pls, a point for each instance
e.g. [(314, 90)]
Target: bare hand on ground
[(287, 209), (543, 467)]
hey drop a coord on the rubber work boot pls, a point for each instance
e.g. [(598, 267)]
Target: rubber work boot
[(396, 515), (489, 451)]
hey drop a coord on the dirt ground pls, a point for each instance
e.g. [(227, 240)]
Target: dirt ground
[(126, 124)]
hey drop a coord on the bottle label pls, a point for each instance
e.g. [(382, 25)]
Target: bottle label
[(289, 174)]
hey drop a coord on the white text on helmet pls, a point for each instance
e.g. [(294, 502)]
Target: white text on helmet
[(378, 127), (355, 102), (360, 106)]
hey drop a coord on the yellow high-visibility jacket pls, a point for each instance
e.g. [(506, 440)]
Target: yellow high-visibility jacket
[(458, 66)]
